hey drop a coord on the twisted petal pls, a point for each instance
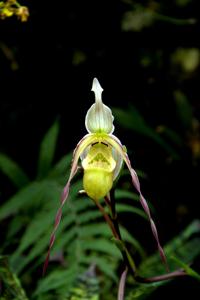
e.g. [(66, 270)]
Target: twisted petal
[(82, 145), (99, 117), (112, 140), (122, 285)]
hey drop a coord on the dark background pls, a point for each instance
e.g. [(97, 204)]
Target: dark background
[(46, 69)]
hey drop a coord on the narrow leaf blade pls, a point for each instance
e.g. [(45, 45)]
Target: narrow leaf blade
[(13, 171), (47, 150)]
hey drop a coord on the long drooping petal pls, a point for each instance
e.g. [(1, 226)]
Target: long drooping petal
[(122, 285), (64, 196), (135, 180), (82, 145)]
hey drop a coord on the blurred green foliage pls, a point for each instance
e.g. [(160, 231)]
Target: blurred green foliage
[(10, 284), (171, 141), (180, 251), (141, 16)]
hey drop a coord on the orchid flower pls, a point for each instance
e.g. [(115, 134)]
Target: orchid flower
[(101, 154)]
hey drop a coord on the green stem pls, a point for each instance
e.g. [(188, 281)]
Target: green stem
[(17, 4), (107, 201), (128, 260), (113, 224), (108, 220)]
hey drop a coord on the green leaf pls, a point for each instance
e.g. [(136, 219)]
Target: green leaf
[(86, 286), (15, 225), (127, 237), (56, 279), (184, 109), (133, 120), (83, 203), (142, 291), (101, 245), (13, 171), (95, 229), (39, 225), (171, 135), (19, 262), (187, 269), (10, 284), (104, 264), (125, 208), (89, 216), (47, 150), (65, 238), (61, 168), (123, 194), (185, 247), (22, 199)]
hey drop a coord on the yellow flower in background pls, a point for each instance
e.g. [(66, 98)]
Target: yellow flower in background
[(10, 8), (23, 13)]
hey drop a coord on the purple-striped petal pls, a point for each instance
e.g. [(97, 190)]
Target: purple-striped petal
[(122, 285), (145, 206), (114, 141), (82, 145), (58, 219)]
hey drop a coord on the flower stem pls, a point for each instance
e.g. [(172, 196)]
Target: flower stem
[(108, 220), (128, 260)]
